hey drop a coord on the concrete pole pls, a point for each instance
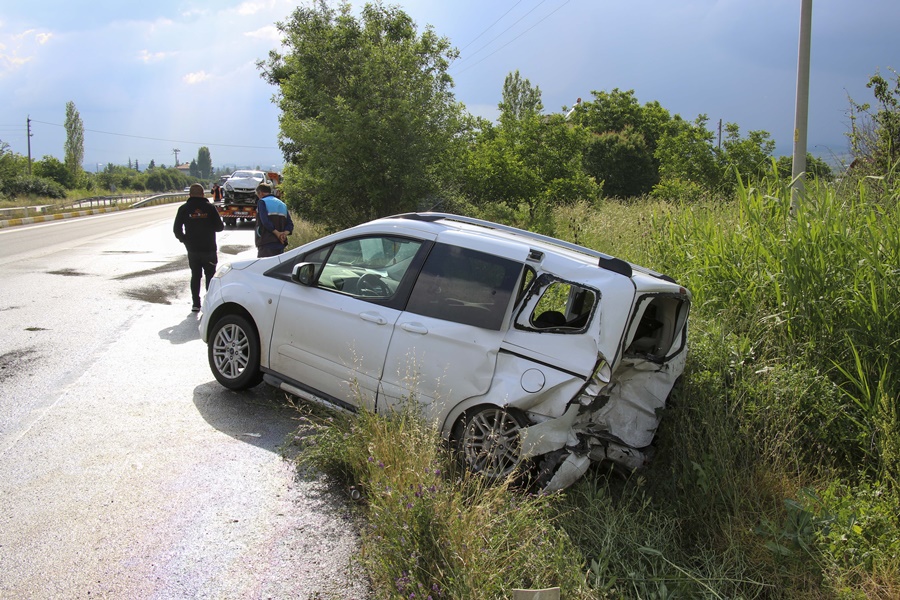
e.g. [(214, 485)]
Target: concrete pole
[(28, 132), (801, 114)]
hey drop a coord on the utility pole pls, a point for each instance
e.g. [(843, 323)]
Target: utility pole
[(801, 116), (28, 131), (175, 151)]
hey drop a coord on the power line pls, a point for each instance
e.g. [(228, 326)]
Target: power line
[(515, 38), (491, 25), (141, 137), (492, 40)]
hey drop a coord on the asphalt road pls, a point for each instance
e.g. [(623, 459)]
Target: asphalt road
[(126, 471)]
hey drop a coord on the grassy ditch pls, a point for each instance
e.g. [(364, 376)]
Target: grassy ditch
[(433, 531), (778, 465)]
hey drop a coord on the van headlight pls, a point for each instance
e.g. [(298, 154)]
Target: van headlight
[(222, 270)]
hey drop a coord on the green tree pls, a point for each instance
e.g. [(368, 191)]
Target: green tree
[(194, 169), (8, 168), (530, 159), (204, 163), (685, 153), (622, 161), (875, 133), (622, 152), (162, 179), (520, 98), (367, 115), (51, 168), (814, 166), (750, 157), (74, 146), (534, 162)]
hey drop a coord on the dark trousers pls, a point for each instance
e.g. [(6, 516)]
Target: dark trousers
[(201, 263), (267, 250)]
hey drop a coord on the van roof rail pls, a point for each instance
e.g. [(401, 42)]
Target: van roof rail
[(604, 261)]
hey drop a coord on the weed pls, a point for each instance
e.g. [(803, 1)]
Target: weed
[(432, 530), (776, 471)]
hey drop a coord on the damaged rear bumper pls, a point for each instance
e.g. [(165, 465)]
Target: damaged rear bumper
[(581, 448)]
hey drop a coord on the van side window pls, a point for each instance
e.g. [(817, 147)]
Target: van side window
[(563, 307), (465, 286), (370, 268)]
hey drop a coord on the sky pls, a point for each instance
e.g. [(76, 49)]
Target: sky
[(149, 78)]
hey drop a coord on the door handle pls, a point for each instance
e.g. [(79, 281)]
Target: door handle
[(373, 318), (414, 328)]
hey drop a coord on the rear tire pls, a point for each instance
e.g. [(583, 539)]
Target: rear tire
[(233, 353), (487, 439)]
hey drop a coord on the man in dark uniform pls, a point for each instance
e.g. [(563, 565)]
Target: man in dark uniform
[(273, 223), (196, 224)]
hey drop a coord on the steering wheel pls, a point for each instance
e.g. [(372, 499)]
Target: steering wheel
[(370, 284)]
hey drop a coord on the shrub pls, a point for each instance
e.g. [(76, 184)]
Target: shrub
[(678, 190), (24, 185), (858, 537)]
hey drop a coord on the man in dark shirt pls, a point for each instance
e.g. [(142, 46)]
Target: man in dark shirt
[(274, 223), (196, 224)]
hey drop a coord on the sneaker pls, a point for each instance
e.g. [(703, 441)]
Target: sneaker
[(195, 308)]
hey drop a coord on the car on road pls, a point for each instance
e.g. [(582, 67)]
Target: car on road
[(241, 185), (526, 351)]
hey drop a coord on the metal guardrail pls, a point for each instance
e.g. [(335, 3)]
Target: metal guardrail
[(159, 199), (112, 200), (35, 214), (24, 211), (134, 200)]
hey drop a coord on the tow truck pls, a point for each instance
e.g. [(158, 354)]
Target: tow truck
[(239, 201)]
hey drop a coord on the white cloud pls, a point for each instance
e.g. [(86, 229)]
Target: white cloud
[(159, 25), (250, 8), (195, 78), (148, 57), (31, 34), (23, 35), (269, 32), (194, 12), (20, 49), (10, 63)]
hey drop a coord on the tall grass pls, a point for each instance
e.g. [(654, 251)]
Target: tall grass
[(817, 286), (433, 531), (796, 324), (304, 232), (777, 459)]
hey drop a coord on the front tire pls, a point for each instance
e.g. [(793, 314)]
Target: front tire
[(488, 440), (233, 353)]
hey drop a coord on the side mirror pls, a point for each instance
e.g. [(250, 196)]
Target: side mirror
[(304, 273)]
